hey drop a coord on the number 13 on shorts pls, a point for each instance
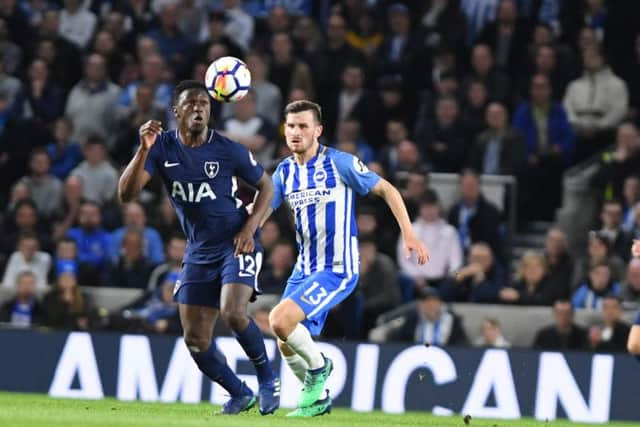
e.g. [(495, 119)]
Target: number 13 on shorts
[(314, 294)]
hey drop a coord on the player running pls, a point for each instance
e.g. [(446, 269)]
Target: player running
[(318, 183), (222, 260)]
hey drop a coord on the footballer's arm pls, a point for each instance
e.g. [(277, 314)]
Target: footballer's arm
[(135, 177), (394, 200)]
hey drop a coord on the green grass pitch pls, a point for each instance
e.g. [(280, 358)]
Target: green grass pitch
[(33, 410)]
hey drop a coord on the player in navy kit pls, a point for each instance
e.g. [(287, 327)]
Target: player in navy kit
[(198, 167)]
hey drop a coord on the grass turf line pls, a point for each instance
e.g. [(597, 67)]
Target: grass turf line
[(36, 410)]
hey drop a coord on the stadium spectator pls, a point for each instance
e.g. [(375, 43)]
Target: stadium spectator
[(24, 219), (278, 268), (42, 95), (480, 280), (441, 237), (611, 218), (214, 32), (349, 131), (532, 285), (66, 216), (62, 56), (483, 69), (12, 54), (285, 70), (65, 306), (175, 248), (270, 234), (430, 323), (24, 309), (549, 139), (590, 294), (64, 153), (91, 102), (132, 268), (630, 294), (351, 101), (135, 218), (27, 257), (596, 103), (614, 166), (92, 242), (378, 282), (499, 150), (443, 140), (99, 178), (507, 36), (77, 23), (631, 196), (105, 44), (476, 219), (491, 335), (153, 71), (598, 251), (308, 39), (564, 334), (173, 45), (66, 259), (611, 335), (474, 105), (240, 26), (560, 263), (44, 188), (413, 191), (250, 129)]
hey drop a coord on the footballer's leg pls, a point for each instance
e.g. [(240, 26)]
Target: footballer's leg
[(198, 323), (197, 293), (239, 277)]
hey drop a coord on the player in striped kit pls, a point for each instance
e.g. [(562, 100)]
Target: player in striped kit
[(318, 183)]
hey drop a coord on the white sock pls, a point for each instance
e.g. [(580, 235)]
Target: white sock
[(298, 365), (300, 341)]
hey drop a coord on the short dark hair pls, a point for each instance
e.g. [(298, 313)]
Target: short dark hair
[(430, 197), (187, 85), (304, 105)]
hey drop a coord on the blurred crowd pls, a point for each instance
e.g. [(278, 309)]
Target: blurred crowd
[(527, 88)]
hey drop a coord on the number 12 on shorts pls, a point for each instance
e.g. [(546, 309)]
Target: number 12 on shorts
[(314, 294), (249, 265)]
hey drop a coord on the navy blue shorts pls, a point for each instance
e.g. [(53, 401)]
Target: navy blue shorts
[(200, 284)]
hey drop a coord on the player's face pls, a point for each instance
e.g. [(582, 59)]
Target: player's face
[(193, 110), (301, 130)]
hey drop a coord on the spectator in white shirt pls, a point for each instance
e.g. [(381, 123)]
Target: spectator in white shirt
[(77, 23), (28, 257), (441, 237), (99, 178)]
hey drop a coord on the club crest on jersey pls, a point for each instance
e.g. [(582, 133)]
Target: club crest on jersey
[(320, 176), (211, 169)]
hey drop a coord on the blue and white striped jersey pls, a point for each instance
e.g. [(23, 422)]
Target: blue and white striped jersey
[(320, 196)]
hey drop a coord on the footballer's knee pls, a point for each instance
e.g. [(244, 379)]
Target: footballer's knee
[(196, 343), (280, 324), (235, 317)]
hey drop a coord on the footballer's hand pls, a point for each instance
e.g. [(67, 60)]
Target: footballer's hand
[(243, 241), (411, 244), (635, 248), (149, 132)]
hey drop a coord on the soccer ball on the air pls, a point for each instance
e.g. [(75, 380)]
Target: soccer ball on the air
[(227, 79)]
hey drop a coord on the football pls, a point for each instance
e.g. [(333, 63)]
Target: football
[(227, 79)]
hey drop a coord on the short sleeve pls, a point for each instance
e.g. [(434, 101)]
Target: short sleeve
[(278, 190), (355, 173), (154, 156), (247, 167)]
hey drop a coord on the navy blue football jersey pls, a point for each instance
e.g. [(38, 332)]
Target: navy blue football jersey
[(201, 183)]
